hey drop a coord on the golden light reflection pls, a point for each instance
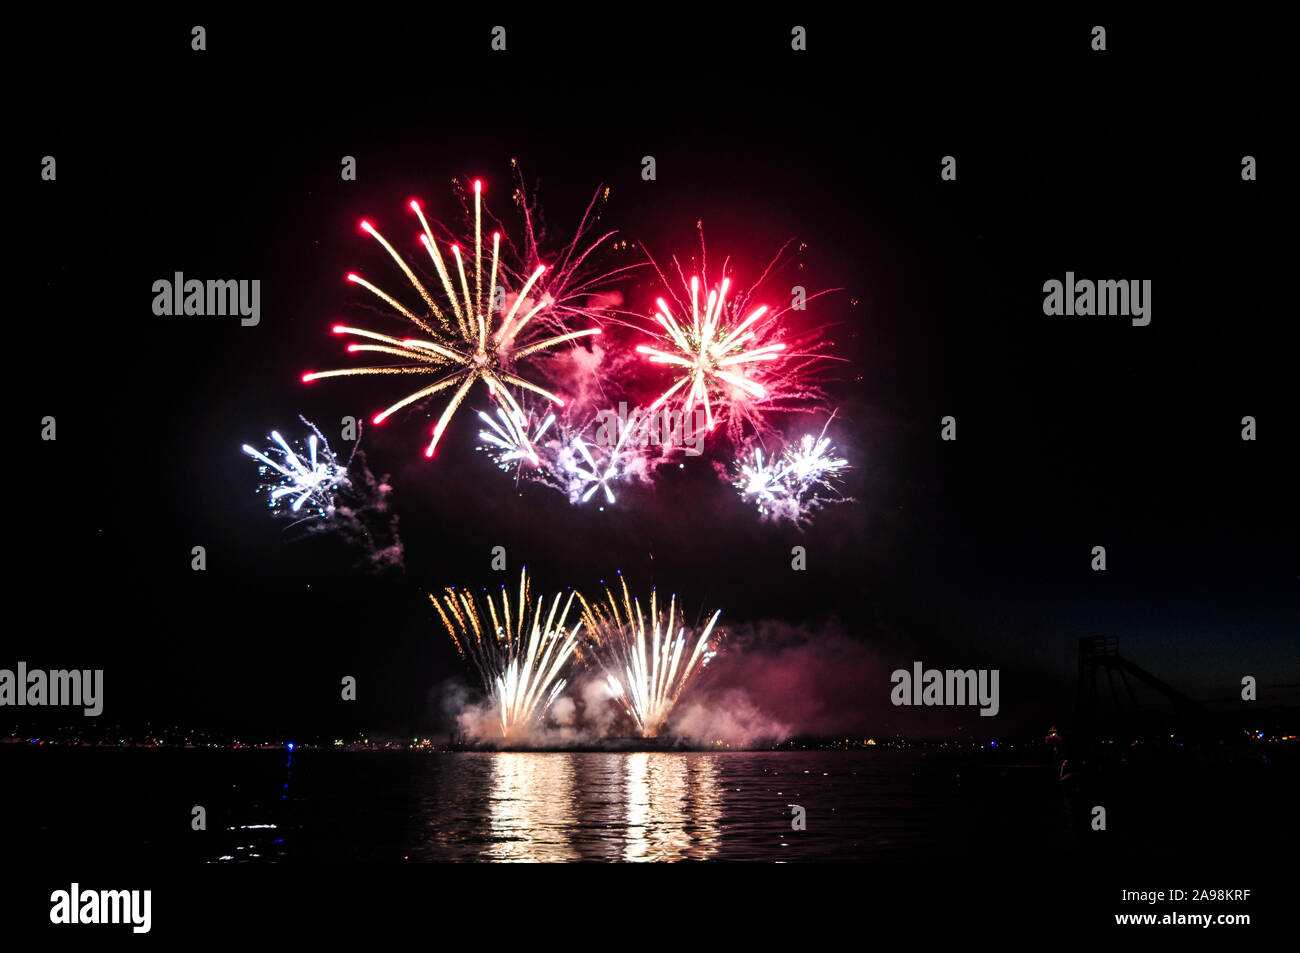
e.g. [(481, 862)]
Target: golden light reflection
[(531, 807), (673, 806), (642, 806)]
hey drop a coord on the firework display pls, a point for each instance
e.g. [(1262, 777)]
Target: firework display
[(580, 471), (736, 366), (325, 496), (735, 361), (301, 484), (648, 659), (763, 481), (507, 442), (585, 463), (471, 337), (737, 358), (813, 463), (790, 486), (711, 351), (519, 654), (810, 371), (714, 374)]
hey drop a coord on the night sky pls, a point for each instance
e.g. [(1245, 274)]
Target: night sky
[(1072, 432)]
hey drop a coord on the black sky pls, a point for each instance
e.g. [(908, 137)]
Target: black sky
[(1072, 432)]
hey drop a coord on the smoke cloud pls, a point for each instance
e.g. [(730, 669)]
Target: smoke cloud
[(772, 681)]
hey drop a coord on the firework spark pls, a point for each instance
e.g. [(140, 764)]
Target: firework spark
[(762, 481), (642, 658), (583, 475), (519, 653), (790, 486), (464, 341), (507, 441), (711, 350), (733, 356), (300, 483), (813, 463), (576, 287), (584, 463), (326, 496)]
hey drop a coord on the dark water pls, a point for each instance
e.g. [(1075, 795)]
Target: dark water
[(341, 806)]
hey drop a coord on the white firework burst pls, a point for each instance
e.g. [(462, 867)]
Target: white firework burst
[(506, 440), (585, 475), (300, 483), (813, 462), (790, 486), (762, 481)]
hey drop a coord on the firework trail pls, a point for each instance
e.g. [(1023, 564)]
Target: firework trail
[(732, 355), (298, 483), (790, 487), (519, 653), (642, 658), (471, 337), (576, 288)]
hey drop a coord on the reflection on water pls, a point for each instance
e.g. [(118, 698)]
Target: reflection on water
[(671, 807), (640, 806), (389, 807), (616, 806), (530, 807)]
